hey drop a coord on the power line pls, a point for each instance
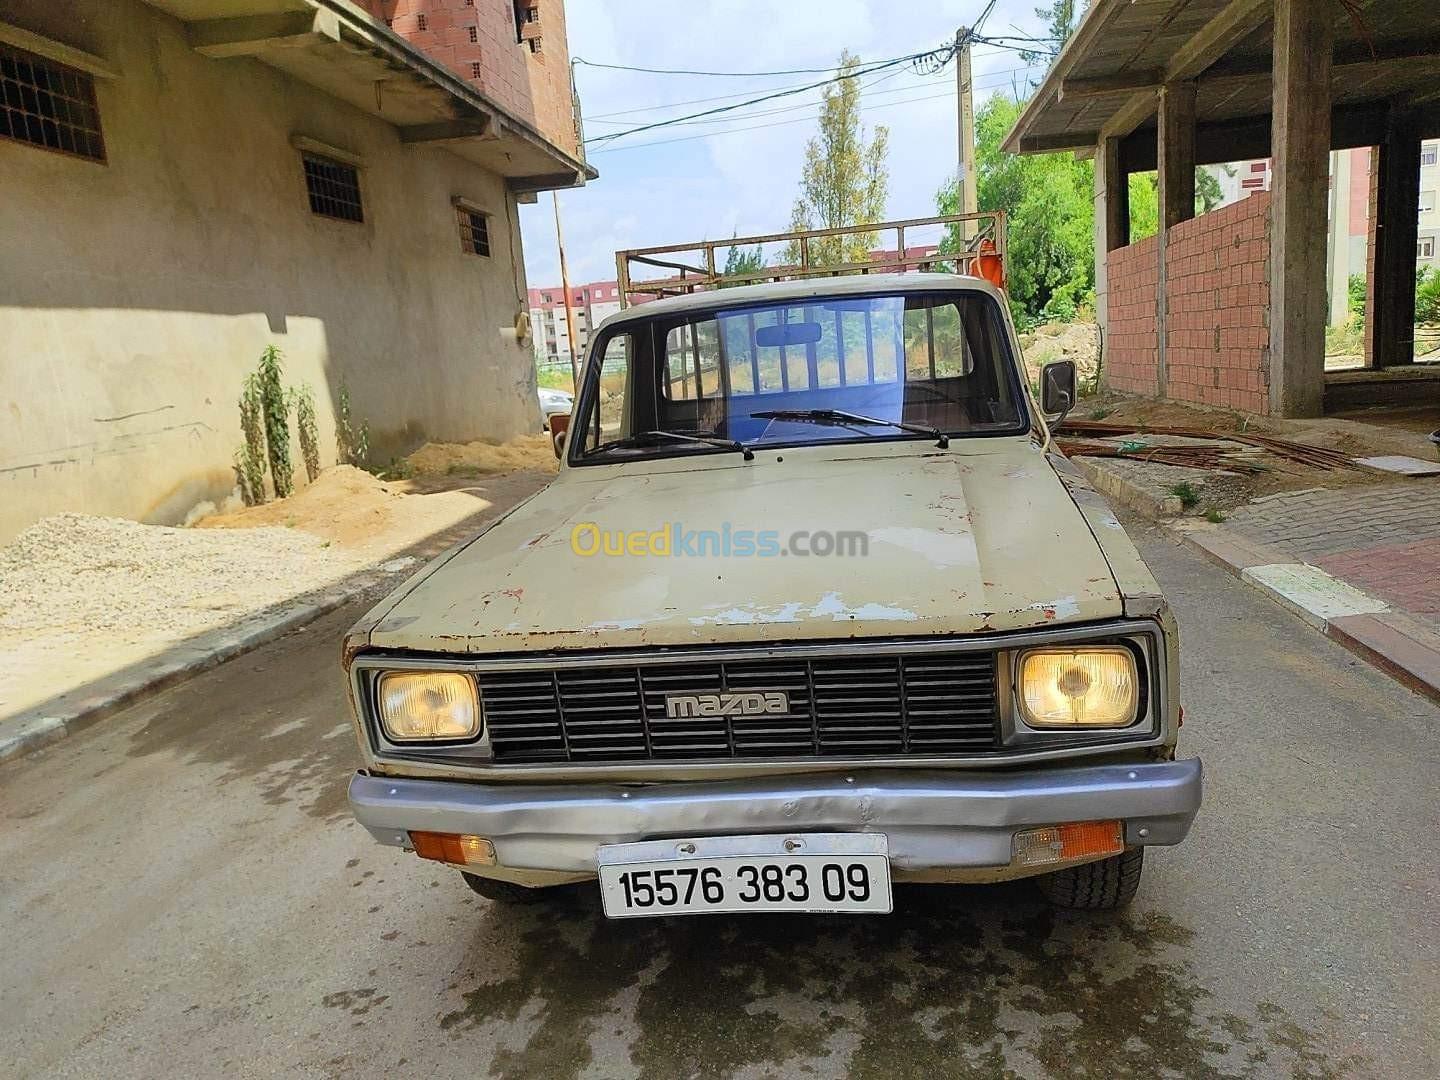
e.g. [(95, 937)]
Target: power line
[(865, 92), (700, 101), (772, 124), (722, 74), (843, 76)]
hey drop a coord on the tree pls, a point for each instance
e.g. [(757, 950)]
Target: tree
[(1060, 22), (740, 260), (844, 180), (1049, 205), (1207, 189)]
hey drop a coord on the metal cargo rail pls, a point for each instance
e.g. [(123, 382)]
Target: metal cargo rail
[(986, 239)]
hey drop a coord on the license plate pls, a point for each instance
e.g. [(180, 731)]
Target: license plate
[(803, 872)]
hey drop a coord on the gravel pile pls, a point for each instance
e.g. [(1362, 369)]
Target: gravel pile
[(73, 572)]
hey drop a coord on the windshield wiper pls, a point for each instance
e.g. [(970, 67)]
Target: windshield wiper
[(839, 418), (647, 438)]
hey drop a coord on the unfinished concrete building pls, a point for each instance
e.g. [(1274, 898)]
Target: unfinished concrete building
[(1229, 309)]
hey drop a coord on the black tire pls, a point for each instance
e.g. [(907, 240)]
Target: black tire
[(1097, 886), (503, 892)]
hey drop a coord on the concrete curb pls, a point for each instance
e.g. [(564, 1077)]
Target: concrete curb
[(29, 731), (1392, 642), (1125, 492)]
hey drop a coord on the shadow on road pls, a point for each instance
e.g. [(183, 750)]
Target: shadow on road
[(979, 981)]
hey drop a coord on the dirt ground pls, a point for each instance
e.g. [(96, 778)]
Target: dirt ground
[(1381, 432), (1078, 341), (532, 452), (369, 517)]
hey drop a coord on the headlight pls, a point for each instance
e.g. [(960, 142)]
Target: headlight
[(1093, 687), (428, 706)]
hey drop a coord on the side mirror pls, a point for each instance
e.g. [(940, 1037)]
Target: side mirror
[(559, 426), (1057, 390)]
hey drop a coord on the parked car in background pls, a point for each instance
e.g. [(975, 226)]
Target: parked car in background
[(813, 606), (554, 403)]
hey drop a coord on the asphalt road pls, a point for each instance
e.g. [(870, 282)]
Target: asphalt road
[(183, 894)]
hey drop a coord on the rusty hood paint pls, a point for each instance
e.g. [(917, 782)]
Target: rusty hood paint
[(976, 538)]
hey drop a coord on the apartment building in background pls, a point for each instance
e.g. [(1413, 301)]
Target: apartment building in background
[(190, 181), (1350, 207)]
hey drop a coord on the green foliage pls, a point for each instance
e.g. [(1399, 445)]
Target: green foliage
[(1355, 293), (1427, 295), (844, 180), (276, 409), (1060, 21), (1207, 190), (1214, 515), (352, 441), (250, 458), (1144, 205), (1186, 493), (1049, 230), (743, 261), (308, 430)]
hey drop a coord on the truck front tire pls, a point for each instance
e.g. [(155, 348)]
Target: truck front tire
[(1097, 886)]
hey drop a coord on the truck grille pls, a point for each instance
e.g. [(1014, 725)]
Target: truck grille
[(923, 705)]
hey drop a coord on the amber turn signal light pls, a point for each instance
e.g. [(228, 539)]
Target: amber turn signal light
[(457, 849), (1062, 843)]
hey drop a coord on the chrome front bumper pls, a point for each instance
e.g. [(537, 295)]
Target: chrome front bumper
[(941, 825)]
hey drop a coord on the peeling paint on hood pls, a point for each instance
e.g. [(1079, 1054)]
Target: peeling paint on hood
[(982, 538)]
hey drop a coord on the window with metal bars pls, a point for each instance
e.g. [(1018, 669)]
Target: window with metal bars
[(474, 232), (48, 104), (334, 188)]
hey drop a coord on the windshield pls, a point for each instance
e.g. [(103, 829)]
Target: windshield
[(838, 370)]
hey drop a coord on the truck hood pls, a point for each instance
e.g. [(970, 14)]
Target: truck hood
[(981, 537)]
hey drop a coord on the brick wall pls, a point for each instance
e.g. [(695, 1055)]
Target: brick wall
[(1217, 334), (476, 39), (1217, 343), (1130, 353)]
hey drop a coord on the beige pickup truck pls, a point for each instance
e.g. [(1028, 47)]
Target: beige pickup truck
[(813, 607)]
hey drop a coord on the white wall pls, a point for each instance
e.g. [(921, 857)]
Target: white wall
[(136, 294)]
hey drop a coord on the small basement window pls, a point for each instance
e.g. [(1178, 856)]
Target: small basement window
[(334, 188), (474, 231), (48, 104)]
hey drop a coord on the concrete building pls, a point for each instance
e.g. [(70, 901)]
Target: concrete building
[(592, 305), (1230, 308), (185, 185)]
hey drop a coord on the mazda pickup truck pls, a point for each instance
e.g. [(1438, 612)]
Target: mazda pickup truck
[(814, 607)]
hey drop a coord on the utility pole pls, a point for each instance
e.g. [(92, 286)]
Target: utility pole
[(966, 176), (565, 286)]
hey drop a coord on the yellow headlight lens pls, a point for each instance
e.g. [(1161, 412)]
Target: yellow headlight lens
[(1079, 688), (428, 706)]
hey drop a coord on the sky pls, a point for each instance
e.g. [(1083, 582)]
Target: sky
[(733, 181)]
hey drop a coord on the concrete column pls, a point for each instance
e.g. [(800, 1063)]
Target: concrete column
[(1175, 179), (1396, 225), (1175, 153), (1112, 224), (1300, 150)]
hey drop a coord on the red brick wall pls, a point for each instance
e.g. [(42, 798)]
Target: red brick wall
[(1217, 331), (1130, 353), (530, 78), (1217, 345)]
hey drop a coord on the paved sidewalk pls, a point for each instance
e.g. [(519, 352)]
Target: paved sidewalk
[(1361, 563), (1384, 540)]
